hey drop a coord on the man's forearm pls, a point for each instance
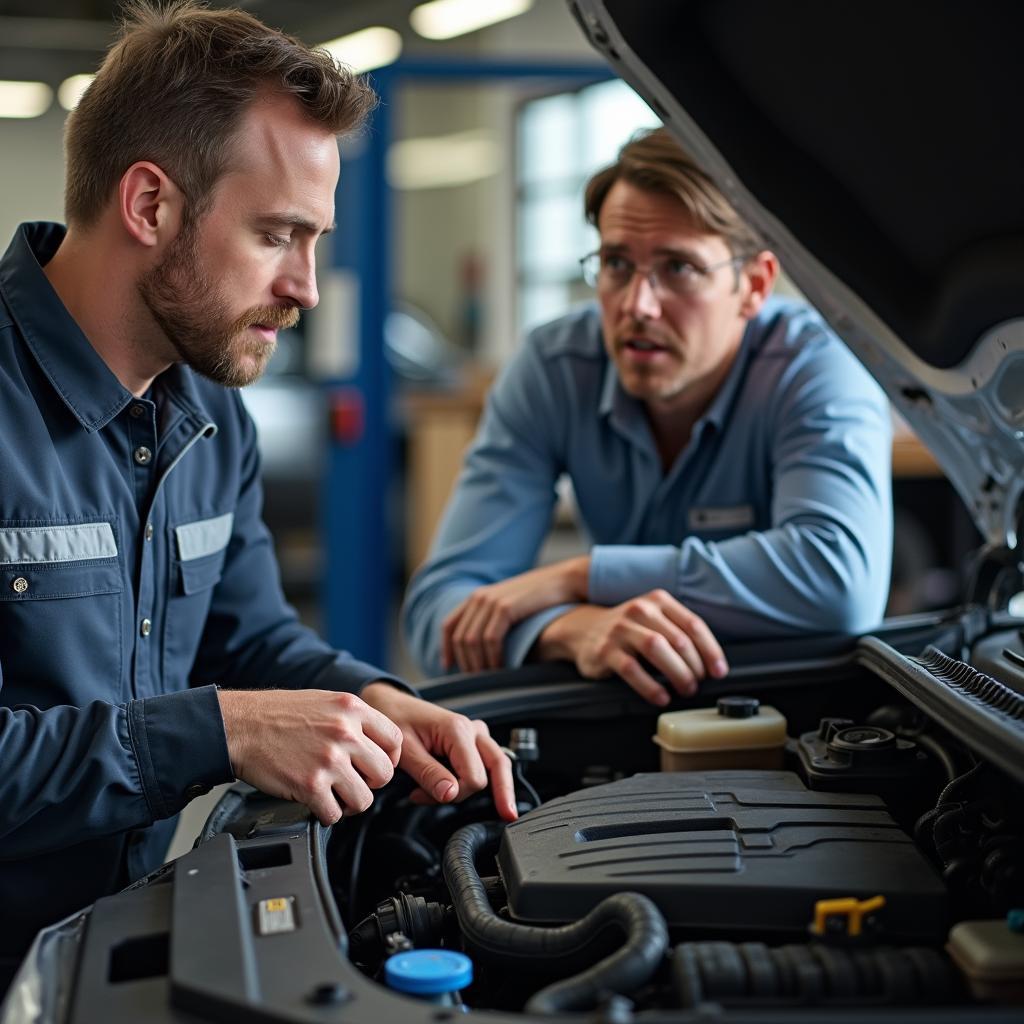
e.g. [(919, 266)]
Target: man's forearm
[(474, 635), (557, 641), (575, 577)]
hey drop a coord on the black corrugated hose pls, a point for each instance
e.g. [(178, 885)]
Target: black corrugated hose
[(571, 947), (752, 974)]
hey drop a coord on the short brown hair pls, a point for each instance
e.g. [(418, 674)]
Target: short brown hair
[(653, 160), (173, 89)]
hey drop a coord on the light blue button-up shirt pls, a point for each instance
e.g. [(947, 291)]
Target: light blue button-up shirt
[(774, 520)]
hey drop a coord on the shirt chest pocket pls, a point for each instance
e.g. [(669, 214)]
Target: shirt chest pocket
[(200, 548), (61, 588)]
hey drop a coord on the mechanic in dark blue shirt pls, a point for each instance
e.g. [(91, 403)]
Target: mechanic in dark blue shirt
[(135, 570)]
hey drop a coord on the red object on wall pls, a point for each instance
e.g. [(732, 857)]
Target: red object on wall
[(348, 415)]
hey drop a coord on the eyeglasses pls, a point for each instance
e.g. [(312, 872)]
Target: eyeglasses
[(611, 272)]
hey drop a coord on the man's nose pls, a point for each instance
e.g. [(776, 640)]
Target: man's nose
[(297, 281), (641, 298)]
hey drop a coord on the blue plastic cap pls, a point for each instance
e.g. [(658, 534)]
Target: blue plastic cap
[(428, 972)]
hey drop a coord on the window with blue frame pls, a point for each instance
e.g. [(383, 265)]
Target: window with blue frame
[(561, 140)]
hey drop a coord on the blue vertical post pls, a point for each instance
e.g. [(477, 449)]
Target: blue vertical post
[(355, 516), (357, 574)]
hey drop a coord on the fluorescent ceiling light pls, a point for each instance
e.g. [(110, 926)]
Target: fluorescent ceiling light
[(443, 160), (367, 49), (71, 90), (445, 19), (24, 99)]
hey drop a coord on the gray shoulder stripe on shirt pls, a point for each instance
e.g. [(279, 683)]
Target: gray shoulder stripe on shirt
[(205, 537), (75, 542)]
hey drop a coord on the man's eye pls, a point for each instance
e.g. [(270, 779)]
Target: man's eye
[(278, 240), (679, 268), (616, 264)]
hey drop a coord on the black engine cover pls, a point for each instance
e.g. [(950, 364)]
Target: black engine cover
[(723, 852)]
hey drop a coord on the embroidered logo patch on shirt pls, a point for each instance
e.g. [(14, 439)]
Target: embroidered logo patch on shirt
[(731, 517)]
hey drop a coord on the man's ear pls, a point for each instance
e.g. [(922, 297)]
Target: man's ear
[(759, 275), (150, 205)]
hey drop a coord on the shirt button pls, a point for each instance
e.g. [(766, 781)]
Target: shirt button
[(136, 410), (145, 627), (142, 455), (20, 585), (149, 531), (196, 790)]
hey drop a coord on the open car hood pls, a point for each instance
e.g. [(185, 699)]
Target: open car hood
[(878, 149)]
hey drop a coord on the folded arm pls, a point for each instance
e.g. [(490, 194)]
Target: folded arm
[(496, 520)]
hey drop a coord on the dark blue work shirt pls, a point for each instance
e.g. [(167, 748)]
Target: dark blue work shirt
[(134, 568)]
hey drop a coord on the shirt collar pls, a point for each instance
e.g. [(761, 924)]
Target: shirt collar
[(74, 368), (721, 405), (624, 412)]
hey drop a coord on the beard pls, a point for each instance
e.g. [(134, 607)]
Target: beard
[(193, 314)]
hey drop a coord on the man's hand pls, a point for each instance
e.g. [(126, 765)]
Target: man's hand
[(428, 730), (326, 750), (654, 629), (473, 634)]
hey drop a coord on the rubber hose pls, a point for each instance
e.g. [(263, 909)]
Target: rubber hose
[(938, 751), (570, 947), (753, 974), (946, 796)]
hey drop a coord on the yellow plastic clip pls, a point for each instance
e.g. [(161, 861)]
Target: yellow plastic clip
[(850, 907)]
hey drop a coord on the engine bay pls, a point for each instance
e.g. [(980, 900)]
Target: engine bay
[(862, 857), (857, 874)]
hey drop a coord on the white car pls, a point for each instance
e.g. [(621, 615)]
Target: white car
[(865, 862)]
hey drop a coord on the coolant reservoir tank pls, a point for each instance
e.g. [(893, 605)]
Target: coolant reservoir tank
[(738, 732)]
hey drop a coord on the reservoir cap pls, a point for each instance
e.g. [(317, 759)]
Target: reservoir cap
[(738, 707), (428, 972)]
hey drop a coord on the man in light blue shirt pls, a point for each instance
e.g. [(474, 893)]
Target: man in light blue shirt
[(729, 456)]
